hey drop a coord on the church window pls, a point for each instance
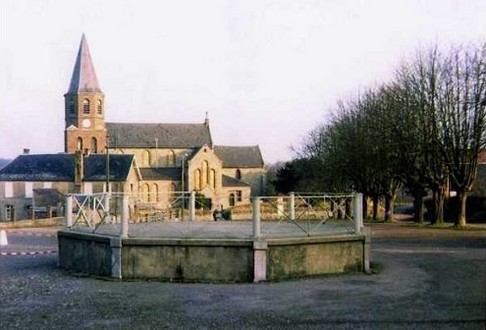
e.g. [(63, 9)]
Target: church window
[(146, 161), (86, 106), (146, 193), (197, 179), (205, 172), (212, 179), (171, 158), (94, 145), (79, 144), (100, 107), (238, 174), (155, 191)]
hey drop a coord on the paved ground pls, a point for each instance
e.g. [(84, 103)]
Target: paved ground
[(430, 279)]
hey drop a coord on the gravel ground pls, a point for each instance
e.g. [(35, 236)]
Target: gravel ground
[(428, 278)]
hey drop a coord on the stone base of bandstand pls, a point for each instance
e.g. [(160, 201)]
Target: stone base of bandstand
[(212, 252)]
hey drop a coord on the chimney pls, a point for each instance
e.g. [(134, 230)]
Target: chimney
[(26, 151)]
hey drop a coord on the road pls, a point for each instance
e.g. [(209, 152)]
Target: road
[(427, 279)]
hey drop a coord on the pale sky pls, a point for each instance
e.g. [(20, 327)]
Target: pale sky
[(267, 71)]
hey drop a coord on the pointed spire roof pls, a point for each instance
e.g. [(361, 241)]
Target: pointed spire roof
[(84, 78)]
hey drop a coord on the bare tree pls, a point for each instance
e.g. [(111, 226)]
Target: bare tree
[(462, 116)]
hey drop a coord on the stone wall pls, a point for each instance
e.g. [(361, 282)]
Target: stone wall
[(212, 260)]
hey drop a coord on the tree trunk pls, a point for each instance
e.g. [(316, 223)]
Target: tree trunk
[(375, 207), (461, 216), (418, 205), (439, 195), (389, 207), (365, 207)]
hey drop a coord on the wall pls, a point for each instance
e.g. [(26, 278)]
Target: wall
[(188, 260), (212, 260), (85, 253), (255, 177), (158, 156), (292, 258)]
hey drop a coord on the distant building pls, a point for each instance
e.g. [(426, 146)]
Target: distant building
[(147, 161)]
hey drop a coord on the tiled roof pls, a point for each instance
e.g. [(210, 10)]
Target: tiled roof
[(239, 157), (232, 182), (4, 162), (49, 167), (158, 135), (60, 167), (161, 173), (84, 78), (95, 167)]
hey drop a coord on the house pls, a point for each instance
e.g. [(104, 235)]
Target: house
[(37, 181)]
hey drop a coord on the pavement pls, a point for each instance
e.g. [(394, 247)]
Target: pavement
[(424, 278)]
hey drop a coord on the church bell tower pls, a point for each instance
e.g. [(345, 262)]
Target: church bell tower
[(84, 104)]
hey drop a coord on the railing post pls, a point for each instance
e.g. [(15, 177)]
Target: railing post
[(358, 212), (192, 206), (69, 211), (107, 208), (256, 217), (292, 206), (124, 217)]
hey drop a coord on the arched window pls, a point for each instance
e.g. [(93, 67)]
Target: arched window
[(100, 107), (205, 173), (146, 193), (212, 179), (197, 179), (171, 158), (79, 144), (146, 158), (86, 106), (155, 192), (94, 145), (232, 200), (238, 174)]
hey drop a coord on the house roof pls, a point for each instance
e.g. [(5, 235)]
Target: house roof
[(232, 182), (95, 167), (60, 167), (123, 135), (44, 167), (84, 77), (161, 173), (239, 157)]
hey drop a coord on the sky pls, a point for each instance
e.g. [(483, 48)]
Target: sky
[(267, 72)]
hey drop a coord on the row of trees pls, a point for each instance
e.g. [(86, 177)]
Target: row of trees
[(423, 131)]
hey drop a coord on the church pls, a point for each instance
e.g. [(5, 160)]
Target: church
[(150, 162)]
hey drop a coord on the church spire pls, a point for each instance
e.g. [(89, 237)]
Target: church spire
[(83, 78)]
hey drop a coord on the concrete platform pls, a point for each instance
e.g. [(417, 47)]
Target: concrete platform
[(215, 251)]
